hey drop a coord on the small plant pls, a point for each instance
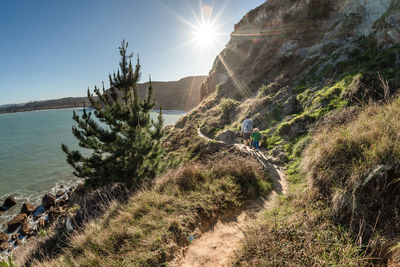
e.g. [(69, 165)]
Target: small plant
[(43, 233), (228, 105), (8, 263)]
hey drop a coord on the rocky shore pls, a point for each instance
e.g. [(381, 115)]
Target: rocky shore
[(31, 220)]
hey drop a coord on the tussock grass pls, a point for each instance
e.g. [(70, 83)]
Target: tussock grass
[(340, 157), (355, 169), (297, 234), (156, 223)]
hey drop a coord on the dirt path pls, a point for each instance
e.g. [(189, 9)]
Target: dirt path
[(216, 246)]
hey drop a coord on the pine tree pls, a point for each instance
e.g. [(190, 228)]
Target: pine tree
[(123, 139)]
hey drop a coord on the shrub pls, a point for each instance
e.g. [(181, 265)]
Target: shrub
[(228, 105)]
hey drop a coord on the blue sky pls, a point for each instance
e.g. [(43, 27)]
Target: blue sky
[(52, 48)]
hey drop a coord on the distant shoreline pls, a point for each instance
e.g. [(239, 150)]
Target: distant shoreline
[(164, 111), (39, 109)]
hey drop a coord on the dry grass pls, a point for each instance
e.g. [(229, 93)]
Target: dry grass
[(355, 168), (156, 223), (297, 234), (340, 157)]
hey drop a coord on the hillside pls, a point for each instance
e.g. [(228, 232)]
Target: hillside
[(173, 95), (320, 79)]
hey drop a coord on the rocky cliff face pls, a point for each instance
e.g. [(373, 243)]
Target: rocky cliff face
[(289, 63), (178, 95)]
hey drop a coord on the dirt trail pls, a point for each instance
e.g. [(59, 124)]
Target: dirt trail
[(216, 246)]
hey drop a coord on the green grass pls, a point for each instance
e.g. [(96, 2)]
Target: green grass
[(8, 263)]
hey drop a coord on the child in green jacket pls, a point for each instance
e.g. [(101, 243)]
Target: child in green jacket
[(256, 136)]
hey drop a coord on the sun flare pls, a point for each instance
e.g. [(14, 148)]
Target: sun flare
[(205, 34)]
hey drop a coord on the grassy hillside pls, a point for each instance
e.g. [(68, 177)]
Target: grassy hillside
[(157, 223)]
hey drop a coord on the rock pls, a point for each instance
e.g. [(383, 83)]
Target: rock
[(4, 246), (27, 208), (60, 193), (48, 201), (54, 213), (14, 236), (8, 203), (16, 222), (38, 211), (3, 237), (41, 223), (69, 226), (26, 228), (291, 105), (18, 242), (228, 136), (62, 202)]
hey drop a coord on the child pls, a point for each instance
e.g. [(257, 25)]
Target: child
[(256, 136)]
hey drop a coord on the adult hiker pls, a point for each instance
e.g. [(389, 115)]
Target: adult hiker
[(247, 129)]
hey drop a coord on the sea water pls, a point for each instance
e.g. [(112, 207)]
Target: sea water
[(31, 160)]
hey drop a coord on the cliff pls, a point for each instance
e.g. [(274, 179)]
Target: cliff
[(173, 95), (294, 61), (183, 94)]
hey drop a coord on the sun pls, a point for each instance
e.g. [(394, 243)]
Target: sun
[(205, 34)]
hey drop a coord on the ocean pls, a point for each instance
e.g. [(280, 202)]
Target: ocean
[(31, 160)]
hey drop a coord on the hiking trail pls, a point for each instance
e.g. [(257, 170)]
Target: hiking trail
[(216, 246)]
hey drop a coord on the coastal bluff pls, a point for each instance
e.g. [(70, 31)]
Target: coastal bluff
[(183, 94)]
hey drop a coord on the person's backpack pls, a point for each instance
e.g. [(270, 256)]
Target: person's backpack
[(248, 126)]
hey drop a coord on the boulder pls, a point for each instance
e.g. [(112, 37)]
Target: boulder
[(9, 202), (291, 105), (3, 237), (16, 222), (27, 208), (18, 242), (38, 212), (228, 136), (41, 223), (54, 213), (26, 228), (4, 246), (48, 201)]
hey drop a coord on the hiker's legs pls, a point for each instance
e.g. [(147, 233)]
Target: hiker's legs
[(246, 139), (256, 144)]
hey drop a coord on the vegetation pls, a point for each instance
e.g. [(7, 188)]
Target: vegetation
[(348, 171), (227, 105), (154, 224), (299, 233), (124, 139), (8, 263)]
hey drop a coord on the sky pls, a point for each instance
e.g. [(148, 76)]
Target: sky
[(52, 49)]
